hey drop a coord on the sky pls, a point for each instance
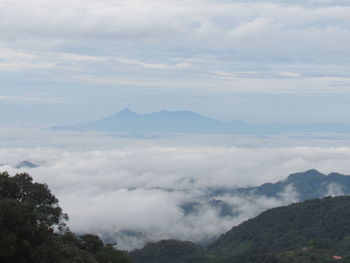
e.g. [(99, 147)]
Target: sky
[(259, 61)]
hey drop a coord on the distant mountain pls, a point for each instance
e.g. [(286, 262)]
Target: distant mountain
[(127, 121), (308, 185), (305, 185), (316, 230), (22, 164), (159, 122), (26, 164), (162, 121)]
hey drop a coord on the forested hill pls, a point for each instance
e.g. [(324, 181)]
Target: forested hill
[(290, 226), (311, 231), (308, 185), (303, 185)]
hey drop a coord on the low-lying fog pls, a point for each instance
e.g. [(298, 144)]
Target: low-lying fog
[(130, 190)]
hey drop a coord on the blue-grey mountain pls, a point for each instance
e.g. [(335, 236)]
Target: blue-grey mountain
[(127, 121), (160, 122), (305, 185)]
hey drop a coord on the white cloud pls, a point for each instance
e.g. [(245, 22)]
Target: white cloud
[(172, 22), (290, 74), (34, 100), (177, 44), (138, 190), (334, 189)]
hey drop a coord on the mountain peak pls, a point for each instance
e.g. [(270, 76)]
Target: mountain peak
[(26, 164), (312, 173), (125, 110), (186, 121), (124, 114)]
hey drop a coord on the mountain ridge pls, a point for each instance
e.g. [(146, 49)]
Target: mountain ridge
[(183, 121), (295, 187), (311, 231)]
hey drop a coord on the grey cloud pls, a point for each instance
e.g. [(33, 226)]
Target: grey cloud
[(44, 100), (167, 21), (258, 46)]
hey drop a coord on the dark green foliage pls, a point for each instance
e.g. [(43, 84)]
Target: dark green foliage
[(167, 251), (290, 227), (312, 231), (22, 189), (87, 248), (90, 242), (261, 256), (29, 215), (109, 254), (173, 251)]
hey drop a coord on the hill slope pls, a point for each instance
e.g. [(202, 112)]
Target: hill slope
[(290, 226), (304, 185), (311, 231), (309, 184)]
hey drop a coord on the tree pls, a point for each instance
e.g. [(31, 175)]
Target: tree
[(33, 229), (22, 189), (29, 213)]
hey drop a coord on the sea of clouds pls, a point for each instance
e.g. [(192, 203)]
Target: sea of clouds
[(130, 188), (132, 192)]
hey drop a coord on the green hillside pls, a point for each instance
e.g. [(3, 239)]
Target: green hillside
[(311, 231), (290, 226)]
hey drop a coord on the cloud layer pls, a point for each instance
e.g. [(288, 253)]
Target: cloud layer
[(133, 194), (226, 40)]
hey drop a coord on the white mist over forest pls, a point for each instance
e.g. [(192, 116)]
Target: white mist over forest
[(131, 191)]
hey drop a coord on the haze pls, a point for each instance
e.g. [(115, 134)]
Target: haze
[(258, 61), (67, 63)]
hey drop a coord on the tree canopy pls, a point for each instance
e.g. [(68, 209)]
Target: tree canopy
[(33, 228)]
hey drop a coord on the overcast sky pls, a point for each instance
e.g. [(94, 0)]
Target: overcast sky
[(71, 61), (259, 61)]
